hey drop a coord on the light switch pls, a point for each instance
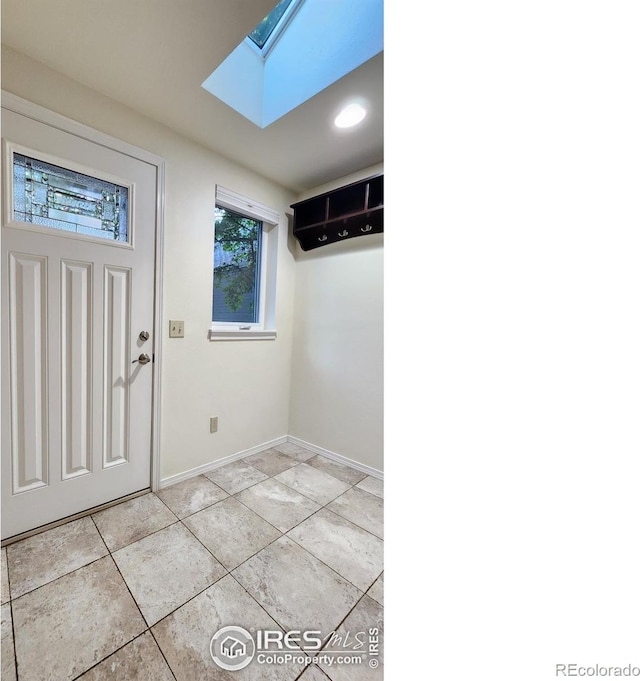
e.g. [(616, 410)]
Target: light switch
[(176, 329)]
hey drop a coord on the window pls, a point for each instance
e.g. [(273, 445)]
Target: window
[(47, 195), (313, 45), (236, 268), (244, 260), (266, 29)]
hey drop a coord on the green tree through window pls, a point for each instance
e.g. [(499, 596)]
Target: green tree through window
[(236, 267)]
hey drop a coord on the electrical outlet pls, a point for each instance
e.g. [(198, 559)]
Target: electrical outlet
[(213, 424), (176, 329)]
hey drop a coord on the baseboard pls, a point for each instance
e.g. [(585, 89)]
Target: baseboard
[(369, 470), (199, 470), (339, 458)]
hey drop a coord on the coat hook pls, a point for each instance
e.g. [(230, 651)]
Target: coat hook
[(324, 237), (343, 233), (368, 228)]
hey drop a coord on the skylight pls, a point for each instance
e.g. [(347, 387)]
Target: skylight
[(263, 31), (305, 49)]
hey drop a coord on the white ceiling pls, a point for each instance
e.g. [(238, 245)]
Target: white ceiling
[(153, 55)]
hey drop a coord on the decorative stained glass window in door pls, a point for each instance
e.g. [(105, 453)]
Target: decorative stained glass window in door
[(52, 196)]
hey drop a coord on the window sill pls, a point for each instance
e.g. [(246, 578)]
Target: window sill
[(237, 334)]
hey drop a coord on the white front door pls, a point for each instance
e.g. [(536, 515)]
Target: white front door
[(78, 295)]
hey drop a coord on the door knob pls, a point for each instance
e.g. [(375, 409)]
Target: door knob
[(144, 336), (143, 359)]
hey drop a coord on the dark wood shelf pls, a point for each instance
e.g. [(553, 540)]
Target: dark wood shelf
[(350, 211)]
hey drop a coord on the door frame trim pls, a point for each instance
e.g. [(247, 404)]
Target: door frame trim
[(41, 114)]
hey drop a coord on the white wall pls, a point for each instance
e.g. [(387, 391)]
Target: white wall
[(337, 368), (246, 384)]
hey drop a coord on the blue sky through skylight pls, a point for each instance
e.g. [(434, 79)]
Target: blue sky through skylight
[(264, 30)]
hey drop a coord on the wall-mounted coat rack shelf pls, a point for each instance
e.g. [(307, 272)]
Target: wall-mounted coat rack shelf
[(353, 210)]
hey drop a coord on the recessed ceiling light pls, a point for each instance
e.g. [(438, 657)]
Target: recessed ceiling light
[(351, 115)]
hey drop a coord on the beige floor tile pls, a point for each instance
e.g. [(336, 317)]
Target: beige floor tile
[(313, 483), (235, 476), (4, 589), (313, 673), (377, 590), (78, 618), (6, 651), (280, 505), (338, 470), (67, 626), (366, 617), (295, 588), (361, 508), (165, 569), (295, 452), (231, 531), (372, 485), (44, 557), (191, 495), (352, 552), (185, 635), (271, 461), (140, 660), (132, 520)]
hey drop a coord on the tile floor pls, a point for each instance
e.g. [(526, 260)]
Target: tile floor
[(284, 539)]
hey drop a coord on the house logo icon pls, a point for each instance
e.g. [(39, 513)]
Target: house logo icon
[(232, 648)]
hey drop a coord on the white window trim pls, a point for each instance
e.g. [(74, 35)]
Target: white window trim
[(270, 218)]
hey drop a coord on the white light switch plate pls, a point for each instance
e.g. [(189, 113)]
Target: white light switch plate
[(176, 329)]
